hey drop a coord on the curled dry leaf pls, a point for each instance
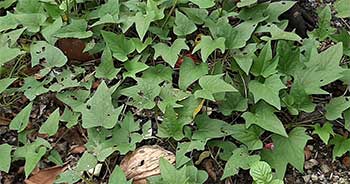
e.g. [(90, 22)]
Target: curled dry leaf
[(78, 149), (144, 162), (346, 161), (73, 49), (46, 176), (307, 153), (208, 165)]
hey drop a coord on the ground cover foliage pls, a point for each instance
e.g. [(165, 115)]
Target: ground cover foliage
[(206, 79)]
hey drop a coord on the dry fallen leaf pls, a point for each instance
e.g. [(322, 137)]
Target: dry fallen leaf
[(209, 167), (144, 162), (46, 176), (307, 153), (73, 49), (4, 121), (346, 161), (78, 149)]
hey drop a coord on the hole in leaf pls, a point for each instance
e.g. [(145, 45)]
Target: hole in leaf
[(283, 3), (42, 61), (321, 80), (142, 162), (74, 97), (88, 107), (141, 93)]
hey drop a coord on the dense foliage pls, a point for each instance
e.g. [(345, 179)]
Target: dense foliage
[(200, 75)]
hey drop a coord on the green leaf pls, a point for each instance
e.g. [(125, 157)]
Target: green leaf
[(190, 72), (70, 117), (341, 145), (196, 15), (261, 173), (170, 174), (74, 99), (287, 150), (133, 67), (32, 21), (10, 38), (158, 74), (195, 176), (55, 157), (208, 46), (119, 44), (212, 84), (248, 136), (8, 22), (50, 126), (336, 107), (233, 102), (344, 37), (76, 29), (275, 9), (324, 29), (244, 3), (49, 31), (143, 21), (47, 55), (265, 118), (5, 161), (99, 110), (5, 83), (289, 55), (170, 54), (118, 176), (324, 132), (139, 45), (226, 147), (183, 26), (6, 3), (298, 100), (320, 70), (86, 162), (172, 125), (342, 8), (265, 65), (268, 90), (186, 147), (69, 176), (244, 58), (8, 54), (170, 96), (65, 80), (33, 88), (143, 94), (235, 37), (277, 33), (203, 3), (106, 69), (32, 153), (347, 119), (21, 120), (239, 159), (208, 128)]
